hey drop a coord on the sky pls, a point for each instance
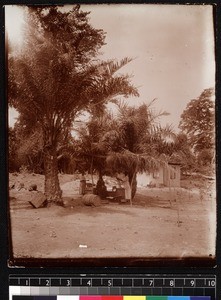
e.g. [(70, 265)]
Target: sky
[(172, 47)]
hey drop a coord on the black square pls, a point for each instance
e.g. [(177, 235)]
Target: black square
[(188, 292), (210, 292), (177, 292), (166, 291), (198, 292), (22, 298), (147, 291), (157, 291), (45, 297)]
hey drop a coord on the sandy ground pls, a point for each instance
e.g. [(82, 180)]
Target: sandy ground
[(161, 223)]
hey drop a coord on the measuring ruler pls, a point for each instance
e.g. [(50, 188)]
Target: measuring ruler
[(152, 287)]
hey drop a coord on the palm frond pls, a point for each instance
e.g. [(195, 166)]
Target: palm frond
[(127, 161)]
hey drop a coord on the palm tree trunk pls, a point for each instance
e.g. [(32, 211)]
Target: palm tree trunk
[(133, 185), (91, 170), (52, 186)]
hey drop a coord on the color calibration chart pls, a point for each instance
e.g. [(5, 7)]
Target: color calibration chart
[(112, 287)]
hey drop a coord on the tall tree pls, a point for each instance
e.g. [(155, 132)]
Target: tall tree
[(89, 147), (198, 121), (135, 142), (56, 76)]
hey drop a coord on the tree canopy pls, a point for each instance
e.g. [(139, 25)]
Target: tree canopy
[(133, 142), (57, 75), (198, 121)]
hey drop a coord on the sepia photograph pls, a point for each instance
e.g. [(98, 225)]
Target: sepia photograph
[(111, 134)]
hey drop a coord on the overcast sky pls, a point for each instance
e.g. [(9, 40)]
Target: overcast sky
[(173, 47)]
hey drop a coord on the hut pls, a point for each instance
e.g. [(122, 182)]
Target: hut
[(165, 176)]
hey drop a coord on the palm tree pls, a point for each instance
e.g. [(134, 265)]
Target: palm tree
[(137, 144), (58, 75), (131, 142)]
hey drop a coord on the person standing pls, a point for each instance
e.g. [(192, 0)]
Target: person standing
[(124, 179), (82, 188)]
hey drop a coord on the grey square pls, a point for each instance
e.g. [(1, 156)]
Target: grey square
[(136, 291), (34, 291), (93, 291), (103, 290), (44, 291), (125, 291), (64, 291), (75, 290), (53, 291), (83, 291), (115, 291), (26, 290)]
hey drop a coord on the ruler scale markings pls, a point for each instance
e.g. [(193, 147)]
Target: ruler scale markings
[(139, 282), (158, 282), (55, 282), (126, 281), (96, 282), (125, 285)]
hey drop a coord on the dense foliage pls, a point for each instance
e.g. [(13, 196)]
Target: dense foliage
[(57, 75), (198, 123)]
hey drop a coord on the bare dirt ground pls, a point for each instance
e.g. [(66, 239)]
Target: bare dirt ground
[(161, 223)]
